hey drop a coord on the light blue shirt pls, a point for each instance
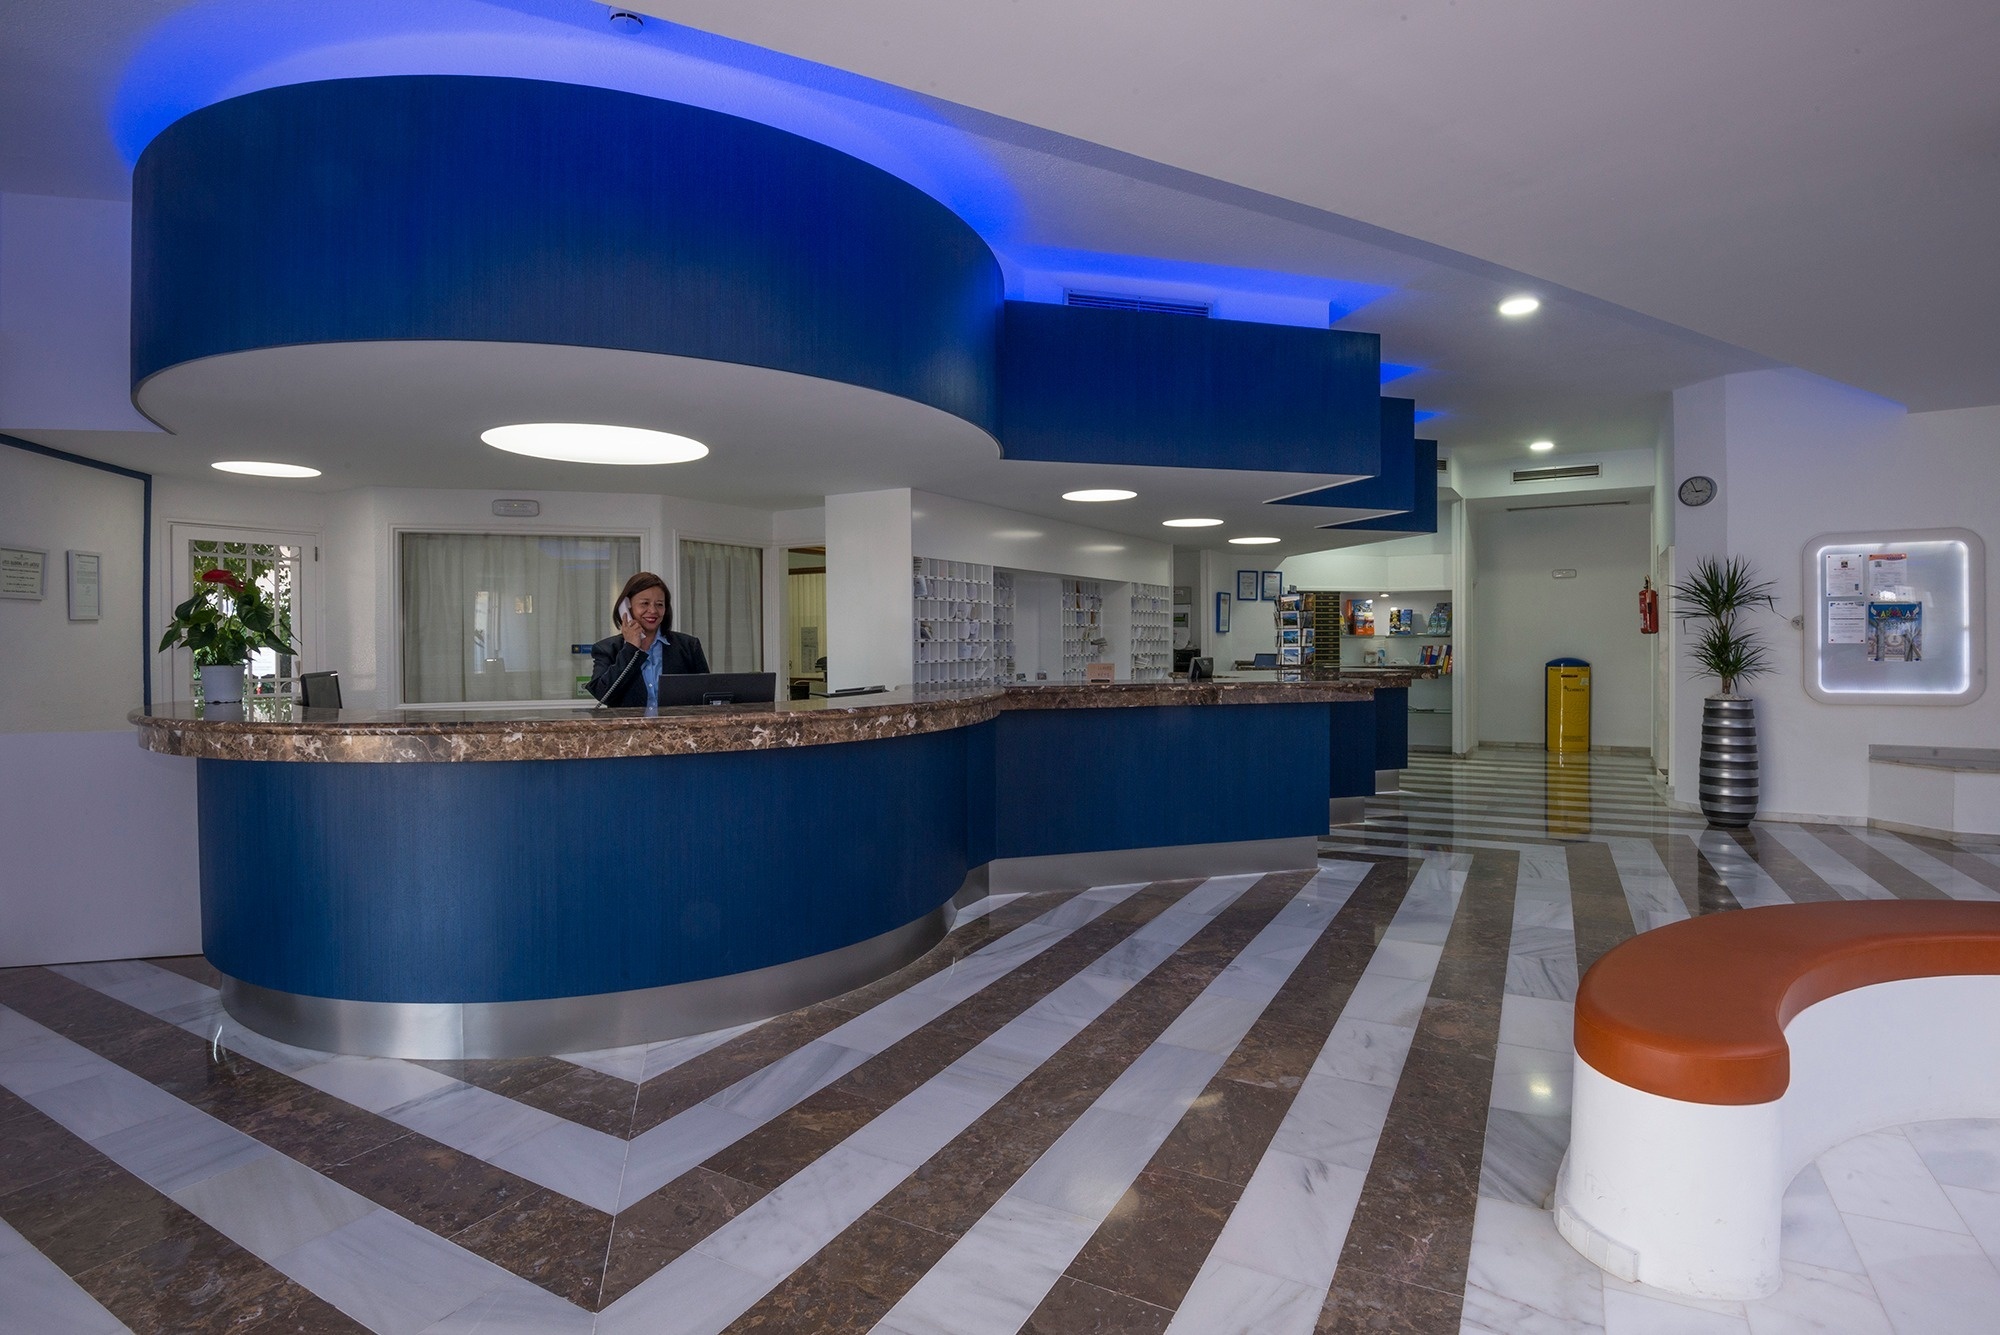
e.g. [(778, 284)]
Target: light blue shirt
[(649, 671)]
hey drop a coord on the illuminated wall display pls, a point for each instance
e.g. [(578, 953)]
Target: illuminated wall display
[(1895, 617)]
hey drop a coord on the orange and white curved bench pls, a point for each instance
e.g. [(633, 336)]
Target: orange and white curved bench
[(1717, 1057)]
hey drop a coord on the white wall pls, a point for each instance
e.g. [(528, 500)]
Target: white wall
[(1796, 456), (945, 528), (868, 607), (65, 315), (1526, 617)]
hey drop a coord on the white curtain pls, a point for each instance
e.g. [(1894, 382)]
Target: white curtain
[(805, 623), (721, 601), (490, 616)]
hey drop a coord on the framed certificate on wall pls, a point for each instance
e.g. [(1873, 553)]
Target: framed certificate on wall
[(1247, 585), (1274, 585), (1222, 613)]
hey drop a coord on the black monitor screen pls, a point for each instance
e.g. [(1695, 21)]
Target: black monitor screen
[(717, 688)]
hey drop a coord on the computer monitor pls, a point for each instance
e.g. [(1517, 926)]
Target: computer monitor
[(319, 690), (1263, 660), (717, 688), (1201, 669)]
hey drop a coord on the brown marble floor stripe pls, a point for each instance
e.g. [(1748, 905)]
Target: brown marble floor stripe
[(1151, 1246), (862, 1273), (651, 1232), (538, 1234), (1794, 877), (147, 1261), (1403, 1265), (1886, 872), (1966, 863), (673, 1092), (1598, 906), (1701, 889)]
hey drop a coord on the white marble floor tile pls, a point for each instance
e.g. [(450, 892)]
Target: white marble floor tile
[(705, 1297), (1087, 1170), (1230, 1299), (995, 1276), (175, 1150), (1961, 1153), (1939, 873), (1406, 959), (1538, 1022), (1630, 1313), (107, 1102), (272, 1205), (516, 1311), (1292, 1219), (581, 1163), (642, 1061), (1365, 1050), (1930, 1282), (790, 1080), (1166, 1077), (1532, 1080), (373, 1083), (913, 1129), (472, 1120), (1650, 894), (1882, 1176), (1522, 1156), (43, 1060), (1825, 861), (777, 1234), (38, 1298), (390, 1275), (659, 1156), (1335, 1121), (1981, 1212), (1541, 962), (1814, 1234), (1523, 1279), (1815, 1301), (1750, 883), (1388, 1000)]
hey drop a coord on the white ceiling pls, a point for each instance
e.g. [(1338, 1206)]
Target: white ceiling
[(1817, 181)]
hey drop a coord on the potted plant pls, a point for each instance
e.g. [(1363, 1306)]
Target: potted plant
[(1716, 593), (222, 624)]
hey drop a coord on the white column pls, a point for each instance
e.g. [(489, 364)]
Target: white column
[(868, 610)]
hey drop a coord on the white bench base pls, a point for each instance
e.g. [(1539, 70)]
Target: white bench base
[(1689, 1197)]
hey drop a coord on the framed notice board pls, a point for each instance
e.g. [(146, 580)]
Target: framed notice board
[(1895, 617)]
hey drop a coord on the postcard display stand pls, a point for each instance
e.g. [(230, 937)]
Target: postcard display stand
[(954, 643), (1895, 617)]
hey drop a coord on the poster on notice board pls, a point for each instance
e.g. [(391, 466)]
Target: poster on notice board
[(1895, 632)]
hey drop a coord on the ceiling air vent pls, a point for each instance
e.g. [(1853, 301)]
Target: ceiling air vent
[(1109, 301), (1556, 474)]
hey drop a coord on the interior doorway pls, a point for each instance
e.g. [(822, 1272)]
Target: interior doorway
[(805, 616), (283, 566)]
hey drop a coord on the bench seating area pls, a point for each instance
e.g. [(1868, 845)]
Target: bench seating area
[(1934, 789), (1716, 1057)]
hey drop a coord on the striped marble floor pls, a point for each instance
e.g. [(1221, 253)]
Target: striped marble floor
[(1325, 1100)]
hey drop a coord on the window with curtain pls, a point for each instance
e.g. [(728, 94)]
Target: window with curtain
[(496, 616), (721, 601)]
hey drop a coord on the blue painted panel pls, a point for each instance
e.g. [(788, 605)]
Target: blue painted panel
[(1353, 749), (436, 207), (1103, 386), (507, 881), (1422, 517), (1392, 728), (981, 777), (1083, 780), (1395, 487)]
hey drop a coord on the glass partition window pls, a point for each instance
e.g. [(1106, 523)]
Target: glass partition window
[(721, 602), (490, 616)]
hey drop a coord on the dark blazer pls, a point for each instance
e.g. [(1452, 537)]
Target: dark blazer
[(609, 659)]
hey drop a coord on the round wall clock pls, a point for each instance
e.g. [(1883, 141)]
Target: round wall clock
[(1698, 490)]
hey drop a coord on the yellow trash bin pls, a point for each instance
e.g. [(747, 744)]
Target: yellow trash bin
[(1568, 715)]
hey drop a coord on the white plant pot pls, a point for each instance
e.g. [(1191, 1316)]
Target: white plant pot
[(222, 685)]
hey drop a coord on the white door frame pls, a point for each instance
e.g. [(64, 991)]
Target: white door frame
[(177, 585)]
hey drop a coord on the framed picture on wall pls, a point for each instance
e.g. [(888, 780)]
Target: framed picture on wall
[(1246, 586), (1222, 613), (1274, 585), (1288, 657)]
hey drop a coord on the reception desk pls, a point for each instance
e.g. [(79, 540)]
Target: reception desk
[(449, 883)]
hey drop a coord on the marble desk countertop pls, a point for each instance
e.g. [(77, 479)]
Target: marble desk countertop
[(279, 729)]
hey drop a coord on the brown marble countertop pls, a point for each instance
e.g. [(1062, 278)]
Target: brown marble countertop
[(279, 729)]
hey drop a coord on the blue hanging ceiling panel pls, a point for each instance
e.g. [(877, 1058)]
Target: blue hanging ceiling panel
[(1079, 385), (1422, 517), (1394, 488), (514, 210)]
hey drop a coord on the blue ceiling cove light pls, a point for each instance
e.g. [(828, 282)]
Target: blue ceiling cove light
[(1430, 414), (1392, 371)]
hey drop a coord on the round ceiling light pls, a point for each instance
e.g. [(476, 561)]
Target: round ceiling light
[(1516, 307), (1542, 446), (258, 468), (1190, 523), (1252, 542), (1100, 494), (594, 443)]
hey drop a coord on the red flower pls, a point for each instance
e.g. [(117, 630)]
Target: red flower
[(222, 577)]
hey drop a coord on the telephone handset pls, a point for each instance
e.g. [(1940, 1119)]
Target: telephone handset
[(624, 612)]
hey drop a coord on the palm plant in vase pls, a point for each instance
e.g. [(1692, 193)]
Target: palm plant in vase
[(1716, 594), (225, 620)]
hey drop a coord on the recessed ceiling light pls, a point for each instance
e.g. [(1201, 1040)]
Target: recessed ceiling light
[(1190, 523), (594, 443), (1542, 446), (1100, 494), (1253, 542), (257, 468), (1516, 307)]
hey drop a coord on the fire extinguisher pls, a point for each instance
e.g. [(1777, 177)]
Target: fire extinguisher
[(1649, 610)]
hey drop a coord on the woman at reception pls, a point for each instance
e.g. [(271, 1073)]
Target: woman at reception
[(625, 669)]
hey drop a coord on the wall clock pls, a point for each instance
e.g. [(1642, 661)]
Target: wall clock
[(1698, 490)]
